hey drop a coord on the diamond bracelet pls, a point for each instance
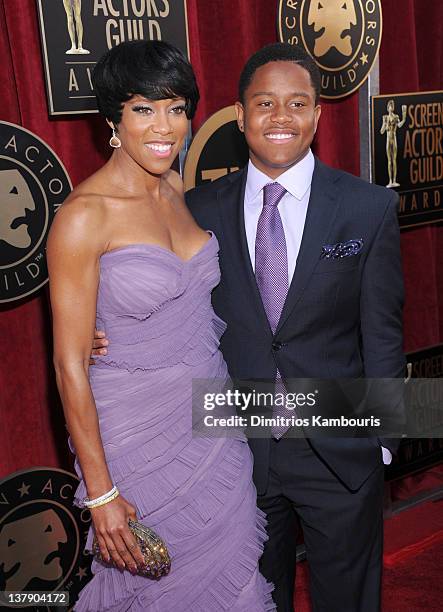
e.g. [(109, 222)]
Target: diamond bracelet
[(90, 503)]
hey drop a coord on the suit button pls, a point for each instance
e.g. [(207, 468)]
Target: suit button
[(276, 346)]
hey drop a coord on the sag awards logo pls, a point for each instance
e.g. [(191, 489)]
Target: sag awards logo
[(33, 184), (74, 24), (392, 122), (407, 153), (76, 34), (42, 535), (342, 36), (217, 149)]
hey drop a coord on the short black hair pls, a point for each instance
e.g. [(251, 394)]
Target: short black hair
[(154, 69), (279, 52)]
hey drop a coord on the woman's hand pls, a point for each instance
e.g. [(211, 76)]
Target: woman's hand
[(114, 537)]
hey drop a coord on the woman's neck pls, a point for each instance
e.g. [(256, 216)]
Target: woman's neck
[(128, 175)]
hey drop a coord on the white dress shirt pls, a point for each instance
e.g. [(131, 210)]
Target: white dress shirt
[(292, 207)]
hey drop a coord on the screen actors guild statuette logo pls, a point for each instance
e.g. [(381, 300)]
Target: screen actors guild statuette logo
[(391, 122), (407, 152), (33, 184), (42, 535), (342, 36), (73, 10), (76, 33)]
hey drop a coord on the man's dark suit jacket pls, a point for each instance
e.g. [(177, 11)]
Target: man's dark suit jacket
[(342, 317)]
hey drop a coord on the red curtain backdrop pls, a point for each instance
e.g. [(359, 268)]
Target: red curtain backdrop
[(222, 36)]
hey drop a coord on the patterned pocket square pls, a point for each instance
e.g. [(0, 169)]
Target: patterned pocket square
[(342, 249)]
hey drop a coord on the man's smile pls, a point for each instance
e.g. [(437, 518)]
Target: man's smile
[(280, 136)]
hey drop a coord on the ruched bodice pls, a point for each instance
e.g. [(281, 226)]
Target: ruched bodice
[(155, 307)]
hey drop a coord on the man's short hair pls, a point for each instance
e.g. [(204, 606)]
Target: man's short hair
[(279, 52)]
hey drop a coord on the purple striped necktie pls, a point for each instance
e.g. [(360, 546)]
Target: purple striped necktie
[(271, 271)]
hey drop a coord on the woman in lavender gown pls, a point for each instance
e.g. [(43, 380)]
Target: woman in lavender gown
[(125, 254)]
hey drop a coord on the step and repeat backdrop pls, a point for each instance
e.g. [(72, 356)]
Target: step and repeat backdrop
[(42, 145)]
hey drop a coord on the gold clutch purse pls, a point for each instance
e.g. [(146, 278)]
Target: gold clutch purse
[(154, 550)]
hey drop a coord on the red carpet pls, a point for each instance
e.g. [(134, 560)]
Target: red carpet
[(413, 561), (420, 482)]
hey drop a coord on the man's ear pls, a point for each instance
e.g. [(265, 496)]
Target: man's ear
[(240, 113), (317, 113)]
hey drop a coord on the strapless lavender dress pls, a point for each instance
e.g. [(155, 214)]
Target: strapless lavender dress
[(195, 492)]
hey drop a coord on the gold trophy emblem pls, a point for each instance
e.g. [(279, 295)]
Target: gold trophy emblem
[(333, 19), (342, 36), (73, 10), (391, 122)]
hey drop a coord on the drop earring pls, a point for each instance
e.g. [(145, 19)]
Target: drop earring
[(115, 141)]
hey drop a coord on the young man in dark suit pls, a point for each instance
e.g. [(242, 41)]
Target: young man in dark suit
[(340, 317), (297, 307)]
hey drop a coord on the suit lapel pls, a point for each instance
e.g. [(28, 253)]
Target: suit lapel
[(322, 210), (231, 204)]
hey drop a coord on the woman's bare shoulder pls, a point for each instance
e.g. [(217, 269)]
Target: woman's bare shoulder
[(90, 193), (81, 219)]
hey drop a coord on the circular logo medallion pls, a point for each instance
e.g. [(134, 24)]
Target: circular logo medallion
[(342, 36), (42, 535), (33, 184), (218, 148)]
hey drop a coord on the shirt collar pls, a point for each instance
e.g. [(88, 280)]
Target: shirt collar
[(296, 180)]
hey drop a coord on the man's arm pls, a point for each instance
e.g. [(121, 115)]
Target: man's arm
[(381, 301), (381, 311)]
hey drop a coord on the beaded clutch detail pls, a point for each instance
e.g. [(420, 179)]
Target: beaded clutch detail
[(154, 550)]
